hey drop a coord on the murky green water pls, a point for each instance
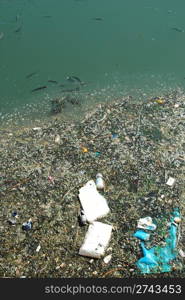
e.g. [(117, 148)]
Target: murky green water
[(116, 47)]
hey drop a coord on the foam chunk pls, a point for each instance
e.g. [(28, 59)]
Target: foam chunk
[(96, 240), (94, 204)]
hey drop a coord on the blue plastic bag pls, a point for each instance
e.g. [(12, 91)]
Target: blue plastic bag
[(157, 259)]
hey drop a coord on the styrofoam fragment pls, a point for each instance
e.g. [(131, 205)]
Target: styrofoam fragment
[(170, 181), (57, 139), (94, 204), (107, 258), (146, 223), (96, 240), (37, 128), (181, 252), (38, 248), (176, 105)]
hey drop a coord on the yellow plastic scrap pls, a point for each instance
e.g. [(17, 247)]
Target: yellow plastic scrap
[(84, 149), (160, 100)]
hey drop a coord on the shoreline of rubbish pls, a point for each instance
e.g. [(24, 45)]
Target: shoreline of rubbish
[(124, 163)]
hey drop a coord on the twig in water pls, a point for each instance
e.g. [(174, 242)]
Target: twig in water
[(111, 271)]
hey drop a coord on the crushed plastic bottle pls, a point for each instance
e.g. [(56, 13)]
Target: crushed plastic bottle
[(100, 184)]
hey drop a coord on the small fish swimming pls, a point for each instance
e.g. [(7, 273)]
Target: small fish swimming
[(76, 78), (31, 74), (52, 81), (39, 88), (18, 29), (97, 19), (177, 29)]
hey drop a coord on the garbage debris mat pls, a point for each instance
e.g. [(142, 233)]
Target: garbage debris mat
[(139, 150)]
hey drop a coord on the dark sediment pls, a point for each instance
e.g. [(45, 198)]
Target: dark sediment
[(40, 177)]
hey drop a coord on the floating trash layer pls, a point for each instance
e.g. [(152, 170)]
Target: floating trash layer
[(136, 147)]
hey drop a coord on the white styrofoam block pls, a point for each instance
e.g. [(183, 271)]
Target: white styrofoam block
[(96, 240), (170, 181), (94, 204)]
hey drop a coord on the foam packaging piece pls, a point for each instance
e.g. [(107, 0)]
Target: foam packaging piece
[(94, 204), (96, 240), (170, 181)]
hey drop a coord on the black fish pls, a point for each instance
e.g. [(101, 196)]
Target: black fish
[(97, 19), (39, 88), (18, 29), (52, 81), (17, 18), (31, 74), (177, 29)]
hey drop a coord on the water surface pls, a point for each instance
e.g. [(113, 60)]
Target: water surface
[(116, 47)]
